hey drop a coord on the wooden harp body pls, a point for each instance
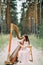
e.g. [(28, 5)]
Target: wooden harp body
[(13, 57)]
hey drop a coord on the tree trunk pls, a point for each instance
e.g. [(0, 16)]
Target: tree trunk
[(35, 15), (8, 15)]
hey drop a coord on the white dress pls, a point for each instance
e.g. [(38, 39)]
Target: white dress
[(24, 54)]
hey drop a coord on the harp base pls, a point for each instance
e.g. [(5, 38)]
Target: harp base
[(8, 63)]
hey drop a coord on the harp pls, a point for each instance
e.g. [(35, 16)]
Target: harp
[(12, 58)]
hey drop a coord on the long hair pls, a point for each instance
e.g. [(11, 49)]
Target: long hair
[(27, 39)]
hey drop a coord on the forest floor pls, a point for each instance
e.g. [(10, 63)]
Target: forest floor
[(37, 54)]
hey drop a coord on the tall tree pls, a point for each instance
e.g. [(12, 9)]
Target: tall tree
[(41, 23), (0, 16), (35, 16), (8, 15), (13, 11), (41, 30), (0, 10), (24, 23)]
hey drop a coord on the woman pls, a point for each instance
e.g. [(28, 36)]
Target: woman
[(25, 53)]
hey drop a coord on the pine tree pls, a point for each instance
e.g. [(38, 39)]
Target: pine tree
[(41, 30), (13, 11), (24, 24)]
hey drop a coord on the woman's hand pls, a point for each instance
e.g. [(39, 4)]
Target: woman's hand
[(23, 46)]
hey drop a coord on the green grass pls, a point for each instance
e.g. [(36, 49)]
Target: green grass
[(36, 42), (3, 40)]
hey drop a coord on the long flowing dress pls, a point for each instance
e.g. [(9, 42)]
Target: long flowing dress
[(24, 54)]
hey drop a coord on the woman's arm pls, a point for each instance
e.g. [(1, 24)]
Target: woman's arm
[(21, 44)]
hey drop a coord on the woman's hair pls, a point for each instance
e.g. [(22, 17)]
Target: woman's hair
[(27, 39)]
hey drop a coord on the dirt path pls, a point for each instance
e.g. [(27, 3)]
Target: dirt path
[(37, 55)]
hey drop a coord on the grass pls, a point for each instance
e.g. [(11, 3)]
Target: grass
[(36, 42), (3, 40)]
